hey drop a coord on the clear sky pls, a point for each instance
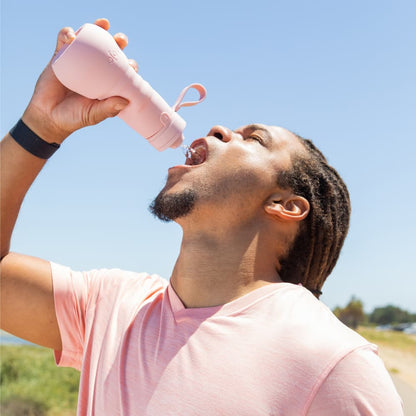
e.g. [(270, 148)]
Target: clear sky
[(340, 73)]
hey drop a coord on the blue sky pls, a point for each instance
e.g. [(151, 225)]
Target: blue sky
[(340, 73)]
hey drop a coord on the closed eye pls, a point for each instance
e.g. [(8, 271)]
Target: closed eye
[(256, 138)]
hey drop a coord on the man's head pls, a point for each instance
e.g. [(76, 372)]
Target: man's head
[(263, 174)]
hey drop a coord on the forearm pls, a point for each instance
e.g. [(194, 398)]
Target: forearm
[(54, 112), (19, 168)]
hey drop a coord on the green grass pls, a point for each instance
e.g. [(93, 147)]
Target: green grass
[(32, 385), (393, 339)]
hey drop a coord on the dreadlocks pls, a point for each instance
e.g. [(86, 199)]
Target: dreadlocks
[(318, 244)]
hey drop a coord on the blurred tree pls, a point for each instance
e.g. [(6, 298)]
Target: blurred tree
[(353, 314), (390, 315)]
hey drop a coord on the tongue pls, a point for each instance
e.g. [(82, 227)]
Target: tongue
[(197, 158)]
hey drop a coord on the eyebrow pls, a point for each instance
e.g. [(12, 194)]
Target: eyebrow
[(255, 127)]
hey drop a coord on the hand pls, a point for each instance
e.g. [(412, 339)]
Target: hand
[(54, 112)]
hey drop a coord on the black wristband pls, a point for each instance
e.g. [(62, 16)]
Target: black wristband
[(31, 142)]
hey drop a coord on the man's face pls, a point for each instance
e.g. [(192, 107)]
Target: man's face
[(227, 171)]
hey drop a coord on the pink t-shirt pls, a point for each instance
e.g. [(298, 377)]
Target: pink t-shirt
[(274, 351)]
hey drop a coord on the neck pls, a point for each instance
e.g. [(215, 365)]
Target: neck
[(215, 269)]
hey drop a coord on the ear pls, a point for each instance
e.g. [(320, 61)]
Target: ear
[(287, 208)]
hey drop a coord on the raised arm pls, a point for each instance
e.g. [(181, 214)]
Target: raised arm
[(54, 112)]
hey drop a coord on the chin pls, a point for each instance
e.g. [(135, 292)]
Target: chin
[(171, 205)]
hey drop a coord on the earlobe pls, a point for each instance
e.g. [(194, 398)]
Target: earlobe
[(292, 208)]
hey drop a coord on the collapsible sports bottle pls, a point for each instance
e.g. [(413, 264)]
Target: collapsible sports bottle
[(94, 66)]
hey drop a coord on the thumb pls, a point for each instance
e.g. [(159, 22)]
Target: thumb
[(109, 107)]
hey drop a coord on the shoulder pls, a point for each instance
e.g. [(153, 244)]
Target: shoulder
[(358, 384), (108, 283), (339, 367), (315, 338), (297, 308)]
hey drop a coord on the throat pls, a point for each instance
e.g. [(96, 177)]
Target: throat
[(206, 293), (210, 274)]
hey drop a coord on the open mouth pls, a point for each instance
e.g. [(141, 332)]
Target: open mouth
[(197, 153)]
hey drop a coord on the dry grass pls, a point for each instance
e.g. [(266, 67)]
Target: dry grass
[(398, 351)]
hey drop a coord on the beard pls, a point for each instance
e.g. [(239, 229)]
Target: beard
[(169, 207)]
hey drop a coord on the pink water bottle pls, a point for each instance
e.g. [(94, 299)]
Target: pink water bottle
[(94, 66)]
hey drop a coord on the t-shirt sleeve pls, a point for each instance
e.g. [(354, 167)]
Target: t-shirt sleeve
[(86, 300), (359, 385)]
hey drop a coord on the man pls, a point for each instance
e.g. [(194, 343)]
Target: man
[(237, 330)]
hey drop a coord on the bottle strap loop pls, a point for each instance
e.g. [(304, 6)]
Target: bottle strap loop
[(202, 94)]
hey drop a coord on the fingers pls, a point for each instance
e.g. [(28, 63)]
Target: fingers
[(103, 109), (103, 22), (121, 39), (65, 35), (113, 105), (134, 64)]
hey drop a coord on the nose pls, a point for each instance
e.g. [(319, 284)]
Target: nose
[(221, 132)]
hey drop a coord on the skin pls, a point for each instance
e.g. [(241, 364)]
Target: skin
[(234, 251), (241, 223)]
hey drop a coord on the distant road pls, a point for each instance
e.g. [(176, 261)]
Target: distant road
[(408, 395)]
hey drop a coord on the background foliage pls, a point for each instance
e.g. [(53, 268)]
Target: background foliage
[(32, 384), (353, 314)]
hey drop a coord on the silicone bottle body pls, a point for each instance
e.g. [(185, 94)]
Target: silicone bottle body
[(94, 66)]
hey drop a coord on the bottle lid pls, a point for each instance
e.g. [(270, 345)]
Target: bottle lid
[(170, 135)]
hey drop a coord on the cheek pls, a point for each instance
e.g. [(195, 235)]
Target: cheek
[(239, 179), (244, 175), (249, 169)]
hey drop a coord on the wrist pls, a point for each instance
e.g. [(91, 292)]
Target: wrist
[(31, 142), (43, 126)]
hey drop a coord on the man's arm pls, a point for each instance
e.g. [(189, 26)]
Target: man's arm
[(54, 112)]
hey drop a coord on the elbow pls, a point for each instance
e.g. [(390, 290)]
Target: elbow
[(5, 250)]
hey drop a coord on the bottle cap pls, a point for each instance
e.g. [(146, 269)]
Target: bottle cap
[(170, 135)]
